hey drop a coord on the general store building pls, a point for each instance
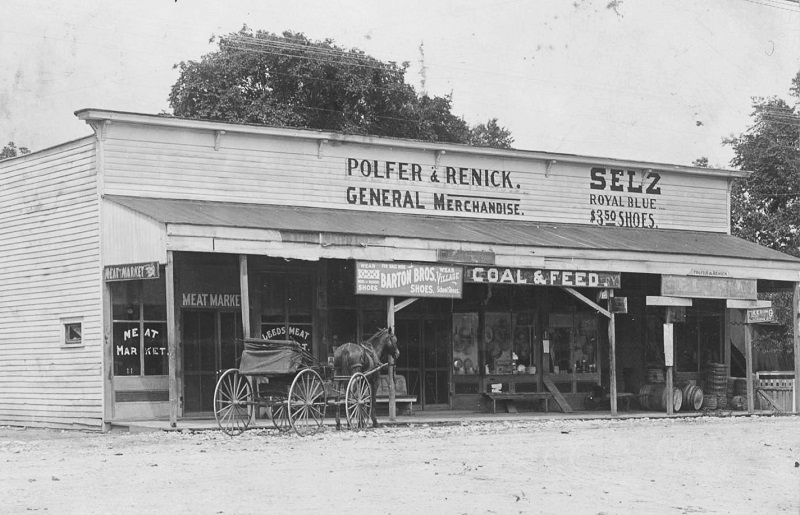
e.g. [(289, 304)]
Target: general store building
[(134, 260)]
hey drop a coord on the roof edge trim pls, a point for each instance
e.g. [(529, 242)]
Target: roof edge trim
[(92, 114)]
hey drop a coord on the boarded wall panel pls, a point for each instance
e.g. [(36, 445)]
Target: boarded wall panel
[(163, 162), (49, 249)]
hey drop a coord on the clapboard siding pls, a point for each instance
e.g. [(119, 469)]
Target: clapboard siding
[(178, 163), (50, 259)]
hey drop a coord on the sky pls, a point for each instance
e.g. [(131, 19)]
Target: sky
[(653, 80)]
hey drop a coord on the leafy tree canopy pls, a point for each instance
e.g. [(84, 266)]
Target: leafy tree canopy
[(11, 150), (765, 207), (288, 80)]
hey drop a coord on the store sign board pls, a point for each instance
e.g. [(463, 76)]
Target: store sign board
[(132, 272), (541, 277), (211, 300), (708, 287), (760, 316), (409, 280)]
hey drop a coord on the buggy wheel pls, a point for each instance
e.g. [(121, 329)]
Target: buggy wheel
[(233, 402), (278, 414), (358, 401), (306, 405)]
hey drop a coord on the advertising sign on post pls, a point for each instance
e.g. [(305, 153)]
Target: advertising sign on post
[(668, 345), (409, 280), (618, 305), (760, 316)]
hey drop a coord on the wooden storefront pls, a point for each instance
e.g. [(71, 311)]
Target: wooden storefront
[(568, 266)]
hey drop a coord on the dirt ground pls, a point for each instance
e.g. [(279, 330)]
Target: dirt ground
[(702, 465)]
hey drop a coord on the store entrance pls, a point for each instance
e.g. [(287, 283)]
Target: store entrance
[(209, 348), (424, 359)]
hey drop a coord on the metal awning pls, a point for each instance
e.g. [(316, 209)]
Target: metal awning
[(490, 232)]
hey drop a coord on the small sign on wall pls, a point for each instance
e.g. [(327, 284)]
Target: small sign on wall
[(132, 272), (668, 345), (760, 316), (618, 305)]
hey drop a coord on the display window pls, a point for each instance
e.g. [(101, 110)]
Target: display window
[(139, 312), (573, 343), (465, 344), (286, 307)]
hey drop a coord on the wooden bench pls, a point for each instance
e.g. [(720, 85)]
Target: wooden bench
[(401, 396), (519, 396)]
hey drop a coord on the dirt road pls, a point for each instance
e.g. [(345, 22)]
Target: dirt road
[(703, 465)]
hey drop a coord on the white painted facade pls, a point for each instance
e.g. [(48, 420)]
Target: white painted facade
[(58, 230), (50, 262)]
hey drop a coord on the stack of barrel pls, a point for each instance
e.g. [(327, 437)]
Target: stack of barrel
[(656, 392), (716, 390), (656, 399)]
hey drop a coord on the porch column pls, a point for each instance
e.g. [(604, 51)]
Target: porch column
[(796, 331), (244, 287), (748, 357), (612, 350), (390, 325), (172, 342)]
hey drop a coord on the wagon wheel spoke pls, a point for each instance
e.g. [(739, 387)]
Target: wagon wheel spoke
[(233, 401)]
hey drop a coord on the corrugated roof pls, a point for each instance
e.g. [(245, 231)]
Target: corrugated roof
[(496, 232)]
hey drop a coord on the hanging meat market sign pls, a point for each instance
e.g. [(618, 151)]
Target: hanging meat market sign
[(572, 278), (408, 280), (131, 272)]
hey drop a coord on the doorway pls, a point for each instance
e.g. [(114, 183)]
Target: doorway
[(424, 346), (210, 346)]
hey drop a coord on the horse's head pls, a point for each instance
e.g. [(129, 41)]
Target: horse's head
[(389, 344)]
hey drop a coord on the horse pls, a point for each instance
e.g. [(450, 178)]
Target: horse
[(365, 357)]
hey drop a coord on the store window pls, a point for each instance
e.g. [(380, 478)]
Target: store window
[(139, 313), (506, 343), (287, 301)]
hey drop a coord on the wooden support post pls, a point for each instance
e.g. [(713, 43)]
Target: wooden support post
[(108, 358), (668, 365), (390, 325), (612, 349), (172, 342), (748, 356), (244, 286), (796, 331)]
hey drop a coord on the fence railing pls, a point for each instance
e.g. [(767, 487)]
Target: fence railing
[(780, 387)]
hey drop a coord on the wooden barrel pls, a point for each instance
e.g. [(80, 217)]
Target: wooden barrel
[(646, 402), (656, 375), (692, 397), (658, 402)]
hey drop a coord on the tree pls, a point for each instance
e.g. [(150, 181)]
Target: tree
[(11, 150), (765, 207), (261, 78), (490, 134)]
